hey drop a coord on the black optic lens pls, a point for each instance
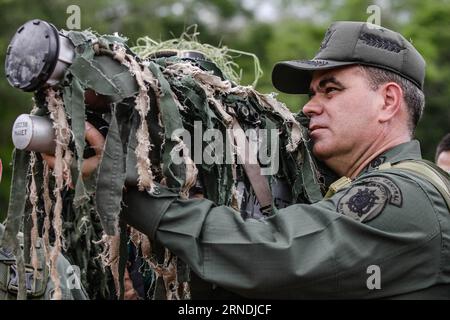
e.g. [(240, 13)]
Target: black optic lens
[(32, 55)]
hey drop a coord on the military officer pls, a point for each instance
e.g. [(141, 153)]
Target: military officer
[(383, 229)]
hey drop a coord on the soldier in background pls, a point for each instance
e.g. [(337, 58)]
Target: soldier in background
[(443, 153)]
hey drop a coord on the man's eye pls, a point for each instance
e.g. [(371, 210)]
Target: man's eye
[(330, 90)]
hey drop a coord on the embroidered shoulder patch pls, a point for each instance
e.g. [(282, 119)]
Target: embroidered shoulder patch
[(366, 199)]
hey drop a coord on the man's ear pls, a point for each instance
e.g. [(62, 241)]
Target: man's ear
[(392, 101)]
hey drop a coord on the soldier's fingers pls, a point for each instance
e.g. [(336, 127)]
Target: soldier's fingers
[(130, 293), (49, 159), (97, 142), (94, 138)]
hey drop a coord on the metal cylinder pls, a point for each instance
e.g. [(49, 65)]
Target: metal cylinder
[(34, 133), (66, 55)]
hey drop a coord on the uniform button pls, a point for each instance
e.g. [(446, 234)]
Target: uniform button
[(156, 191)]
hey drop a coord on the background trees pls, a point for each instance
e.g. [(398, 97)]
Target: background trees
[(272, 29)]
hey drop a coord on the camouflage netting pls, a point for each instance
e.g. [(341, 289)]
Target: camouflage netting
[(150, 98)]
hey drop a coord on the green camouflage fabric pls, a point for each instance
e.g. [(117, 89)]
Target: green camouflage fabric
[(149, 101)]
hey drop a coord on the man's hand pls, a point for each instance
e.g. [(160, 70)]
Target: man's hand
[(96, 141), (130, 293)]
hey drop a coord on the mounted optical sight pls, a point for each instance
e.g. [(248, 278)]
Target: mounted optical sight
[(37, 56)]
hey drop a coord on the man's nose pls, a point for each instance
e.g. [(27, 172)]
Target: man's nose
[(312, 107)]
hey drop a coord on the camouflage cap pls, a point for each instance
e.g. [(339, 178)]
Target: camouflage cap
[(349, 43)]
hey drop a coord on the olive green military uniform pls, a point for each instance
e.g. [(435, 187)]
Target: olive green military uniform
[(391, 221), (42, 288)]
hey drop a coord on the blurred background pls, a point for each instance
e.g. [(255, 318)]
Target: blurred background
[(272, 29)]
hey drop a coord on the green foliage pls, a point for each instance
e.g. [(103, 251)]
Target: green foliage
[(433, 41), (232, 24)]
